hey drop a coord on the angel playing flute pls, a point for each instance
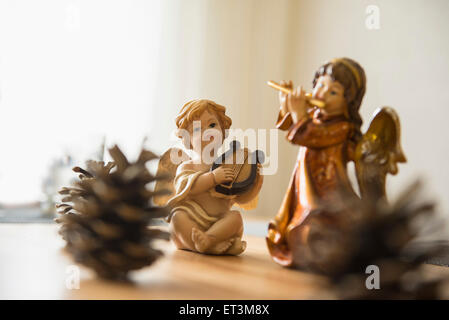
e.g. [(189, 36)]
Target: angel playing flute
[(318, 205), (202, 219)]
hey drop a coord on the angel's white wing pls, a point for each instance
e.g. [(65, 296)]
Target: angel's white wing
[(168, 164)]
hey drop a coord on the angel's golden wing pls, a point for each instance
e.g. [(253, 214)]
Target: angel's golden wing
[(378, 153), (250, 199), (168, 164)]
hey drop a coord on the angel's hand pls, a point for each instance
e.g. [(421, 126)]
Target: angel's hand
[(223, 175), (297, 104), (283, 96)]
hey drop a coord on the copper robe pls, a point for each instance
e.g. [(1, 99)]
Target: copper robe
[(319, 186)]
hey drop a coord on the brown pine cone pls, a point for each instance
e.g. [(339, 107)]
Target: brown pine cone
[(105, 216)]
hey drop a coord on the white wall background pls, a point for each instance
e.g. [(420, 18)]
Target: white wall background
[(72, 71), (226, 50), (407, 67)]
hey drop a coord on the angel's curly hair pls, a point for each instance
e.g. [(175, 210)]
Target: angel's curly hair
[(193, 109), (352, 76)]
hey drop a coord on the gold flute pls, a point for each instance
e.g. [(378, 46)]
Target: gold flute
[(312, 101)]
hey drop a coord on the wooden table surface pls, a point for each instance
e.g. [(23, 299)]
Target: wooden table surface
[(33, 265)]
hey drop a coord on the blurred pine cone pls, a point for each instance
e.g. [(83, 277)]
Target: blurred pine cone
[(106, 214), (383, 239)]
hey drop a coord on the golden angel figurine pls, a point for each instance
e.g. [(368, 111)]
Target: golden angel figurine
[(318, 206), (202, 219)]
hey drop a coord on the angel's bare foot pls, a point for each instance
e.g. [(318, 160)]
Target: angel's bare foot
[(201, 240), (221, 247), (237, 247)]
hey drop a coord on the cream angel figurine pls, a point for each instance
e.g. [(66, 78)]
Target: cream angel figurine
[(201, 219)]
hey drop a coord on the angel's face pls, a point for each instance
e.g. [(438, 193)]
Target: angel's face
[(332, 93), (206, 134)]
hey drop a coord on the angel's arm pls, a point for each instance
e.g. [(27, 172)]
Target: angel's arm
[(284, 120), (318, 135), (203, 183)]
